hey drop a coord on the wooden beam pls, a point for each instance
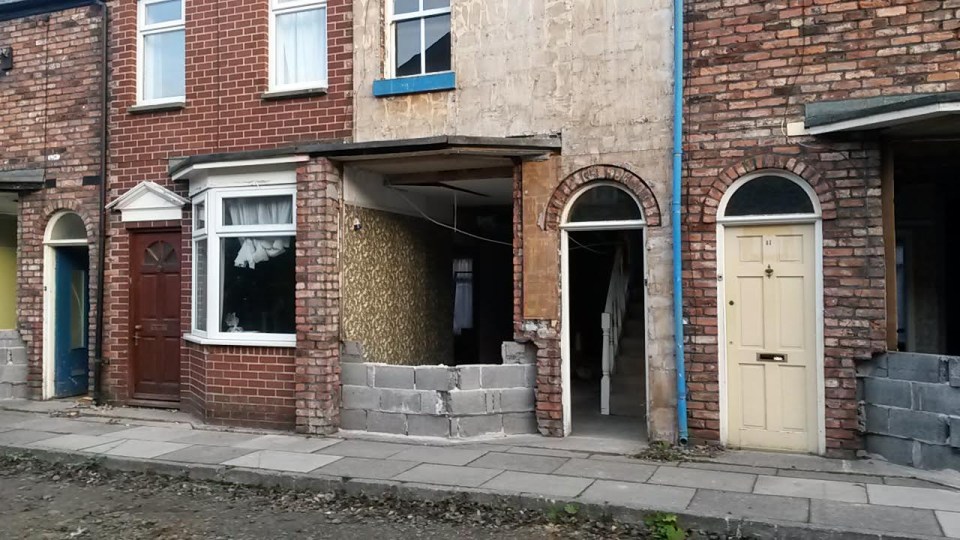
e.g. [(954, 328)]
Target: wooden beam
[(435, 177), (889, 243)]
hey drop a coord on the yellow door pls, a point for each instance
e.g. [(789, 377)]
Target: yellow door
[(770, 295)]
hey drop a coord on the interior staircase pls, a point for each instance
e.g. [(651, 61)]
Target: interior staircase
[(628, 383)]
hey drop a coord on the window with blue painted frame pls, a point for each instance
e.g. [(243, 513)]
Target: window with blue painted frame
[(421, 37)]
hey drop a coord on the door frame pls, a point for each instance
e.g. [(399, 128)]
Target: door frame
[(48, 344), (788, 219), (131, 307), (565, 230)]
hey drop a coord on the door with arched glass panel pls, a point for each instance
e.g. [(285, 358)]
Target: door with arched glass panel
[(768, 281), (155, 316)]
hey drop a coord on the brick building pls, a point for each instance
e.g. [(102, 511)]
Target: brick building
[(51, 87), (820, 139)]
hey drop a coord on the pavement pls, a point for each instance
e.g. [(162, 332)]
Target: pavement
[(764, 494)]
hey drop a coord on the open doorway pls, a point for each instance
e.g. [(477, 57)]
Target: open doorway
[(604, 314)]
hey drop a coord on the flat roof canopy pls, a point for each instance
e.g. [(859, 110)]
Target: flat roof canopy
[(914, 115)]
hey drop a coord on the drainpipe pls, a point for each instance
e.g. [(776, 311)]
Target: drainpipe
[(675, 220), (102, 229)]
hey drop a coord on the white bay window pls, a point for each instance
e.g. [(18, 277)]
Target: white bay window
[(298, 44), (245, 265)]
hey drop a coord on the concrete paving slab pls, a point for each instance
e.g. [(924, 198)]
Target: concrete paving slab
[(911, 497), (701, 479), (67, 426), (282, 461), (910, 482), (779, 461), (538, 484), (866, 517), (216, 438), (209, 455), (641, 496), (950, 523), (9, 418), (23, 437), (447, 475), (136, 449), (748, 505), (745, 469), (607, 470), (364, 449), (518, 462), (629, 459), (440, 456), (287, 443), (374, 469), (811, 489), (68, 442), (836, 477), (151, 433), (547, 452)]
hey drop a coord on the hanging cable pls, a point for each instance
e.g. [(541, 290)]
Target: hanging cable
[(444, 225)]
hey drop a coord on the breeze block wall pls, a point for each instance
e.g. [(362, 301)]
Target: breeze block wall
[(51, 131), (440, 401), (226, 111), (912, 409), (750, 68)]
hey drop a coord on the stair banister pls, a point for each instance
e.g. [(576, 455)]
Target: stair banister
[(611, 321)]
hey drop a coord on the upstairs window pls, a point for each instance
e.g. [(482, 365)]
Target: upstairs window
[(162, 52), (421, 36), (298, 44)]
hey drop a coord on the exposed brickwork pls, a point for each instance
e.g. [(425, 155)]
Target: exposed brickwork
[(319, 186), (51, 121), (750, 68), (611, 173), (226, 76)]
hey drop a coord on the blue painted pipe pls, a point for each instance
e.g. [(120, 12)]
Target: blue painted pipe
[(675, 220)]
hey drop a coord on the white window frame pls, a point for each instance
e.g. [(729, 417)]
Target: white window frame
[(391, 45), (276, 9), (214, 233), (143, 30)]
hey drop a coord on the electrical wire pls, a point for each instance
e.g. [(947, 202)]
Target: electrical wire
[(451, 227)]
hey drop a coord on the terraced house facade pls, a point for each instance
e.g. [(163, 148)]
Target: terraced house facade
[(456, 218)]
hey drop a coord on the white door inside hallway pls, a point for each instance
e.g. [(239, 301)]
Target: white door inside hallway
[(771, 338)]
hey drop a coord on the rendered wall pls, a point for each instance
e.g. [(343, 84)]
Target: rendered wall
[(8, 272), (397, 288), (598, 74)]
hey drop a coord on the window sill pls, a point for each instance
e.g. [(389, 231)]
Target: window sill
[(434, 82), (297, 93), (242, 342), (156, 107)]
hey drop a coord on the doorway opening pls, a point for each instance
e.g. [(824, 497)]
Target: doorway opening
[(66, 307), (604, 315)]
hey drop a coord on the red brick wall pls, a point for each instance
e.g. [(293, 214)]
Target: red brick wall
[(51, 121), (750, 68), (226, 75)]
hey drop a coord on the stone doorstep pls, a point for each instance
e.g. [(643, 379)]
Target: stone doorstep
[(717, 522)]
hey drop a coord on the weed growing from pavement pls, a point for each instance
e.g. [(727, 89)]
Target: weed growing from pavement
[(664, 527), (666, 452)]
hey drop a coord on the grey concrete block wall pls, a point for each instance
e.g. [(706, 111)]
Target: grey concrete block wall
[(441, 401), (13, 366), (912, 409)]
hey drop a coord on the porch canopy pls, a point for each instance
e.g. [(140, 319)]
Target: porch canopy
[(906, 116)]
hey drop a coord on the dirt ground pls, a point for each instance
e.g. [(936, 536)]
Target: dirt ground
[(55, 501)]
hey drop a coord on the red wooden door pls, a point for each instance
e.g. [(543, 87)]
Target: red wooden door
[(155, 306)]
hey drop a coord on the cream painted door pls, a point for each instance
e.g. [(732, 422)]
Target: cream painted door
[(770, 295)]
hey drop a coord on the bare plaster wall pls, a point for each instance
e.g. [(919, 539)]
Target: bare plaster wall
[(397, 288), (597, 73)]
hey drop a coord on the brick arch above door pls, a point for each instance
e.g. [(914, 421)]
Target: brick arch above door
[(824, 186), (597, 173)]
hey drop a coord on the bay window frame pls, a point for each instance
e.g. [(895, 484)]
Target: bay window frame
[(144, 30), (215, 234), (393, 18), (278, 8)]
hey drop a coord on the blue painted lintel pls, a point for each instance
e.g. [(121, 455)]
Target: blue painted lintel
[(433, 82)]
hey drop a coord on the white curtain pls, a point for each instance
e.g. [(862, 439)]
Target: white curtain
[(301, 46), (163, 69), (463, 295), (259, 211)]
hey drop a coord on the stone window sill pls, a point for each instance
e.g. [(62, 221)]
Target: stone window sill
[(434, 82), (241, 342), (156, 107), (290, 94)]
